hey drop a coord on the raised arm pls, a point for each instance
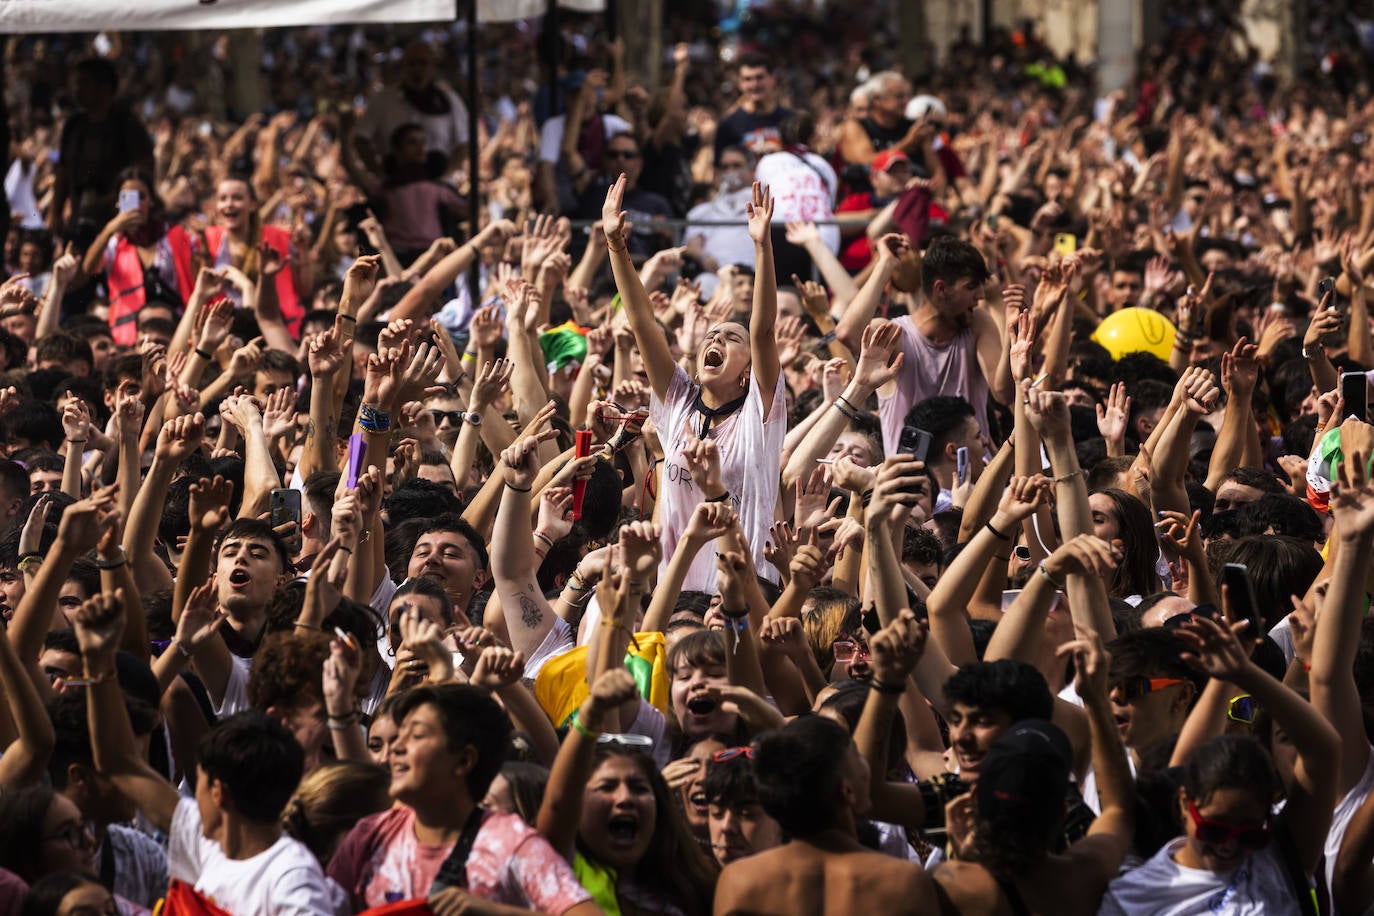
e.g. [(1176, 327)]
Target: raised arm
[(1239, 375), (561, 809), (98, 627), (1109, 838), (25, 760), (653, 346), (895, 651), (527, 613), (763, 343), (419, 300), (880, 359), (1217, 650), (1331, 678), (861, 309)]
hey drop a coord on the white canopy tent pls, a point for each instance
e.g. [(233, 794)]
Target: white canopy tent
[(20, 16)]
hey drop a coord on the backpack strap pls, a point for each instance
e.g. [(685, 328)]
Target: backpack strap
[(454, 871), (1303, 890)]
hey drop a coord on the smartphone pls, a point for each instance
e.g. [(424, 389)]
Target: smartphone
[(286, 506), (1355, 393), (205, 129), (915, 442), (128, 200), (992, 221), (1066, 243), (1324, 288), (961, 464), (1235, 578)]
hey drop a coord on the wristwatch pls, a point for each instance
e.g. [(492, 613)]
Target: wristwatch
[(473, 417)]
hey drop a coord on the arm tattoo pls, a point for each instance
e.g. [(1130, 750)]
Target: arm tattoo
[(531, 614)]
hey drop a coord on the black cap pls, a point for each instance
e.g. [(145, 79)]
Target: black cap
[(1026, 770)]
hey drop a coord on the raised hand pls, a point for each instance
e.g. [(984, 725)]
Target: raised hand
[(1083, 555), (1240, 369), (209, 508), (1022, 497), (1020, 346), (880, 355), (1112, 419), (214, 329), (1216, 649), (498, 667), (180, 436), (520, 462), (492, 382), (1181, 534), (76, 420), (895, 650), (849, 474), (611, 690), (703, 463), (1092, 664), (422, 647), (760, 213), (785, 634), (99, 623), (800, 234), (1352, 499), (555, 513), (339, 676), (361, 277), (709, 521), (641, 549), (279, 417), (1048, 412), (612, 216), (85, 521), (325, 356), (789, 333), (200, 618)]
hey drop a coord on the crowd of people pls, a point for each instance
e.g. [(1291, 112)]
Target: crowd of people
[(803, 488)]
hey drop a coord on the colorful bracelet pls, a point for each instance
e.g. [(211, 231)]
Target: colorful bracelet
[(373, 420)]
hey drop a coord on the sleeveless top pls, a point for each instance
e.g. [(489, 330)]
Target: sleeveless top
[(929, 370)]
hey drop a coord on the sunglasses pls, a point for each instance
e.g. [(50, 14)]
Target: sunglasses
[(454, 417), (846, 650), (1243, 709), (621, 154), (732, 753), (1215, 833), (1133, 688), (638, 742)]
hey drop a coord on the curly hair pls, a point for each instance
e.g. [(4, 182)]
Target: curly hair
[(287, 670)]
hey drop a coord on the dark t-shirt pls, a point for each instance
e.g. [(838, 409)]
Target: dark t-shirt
[(757, 133), (641, 206), (94, 154), (885, 137)]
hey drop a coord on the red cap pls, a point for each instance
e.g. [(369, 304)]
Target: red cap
[(887, 159)]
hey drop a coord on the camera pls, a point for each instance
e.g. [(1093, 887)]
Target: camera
[(938, 792)]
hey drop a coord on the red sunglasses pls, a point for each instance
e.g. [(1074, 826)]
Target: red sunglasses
[(1215, 833), (732, 753)]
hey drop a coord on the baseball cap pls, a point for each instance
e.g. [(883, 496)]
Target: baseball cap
[(887, 159), (1026, 771)]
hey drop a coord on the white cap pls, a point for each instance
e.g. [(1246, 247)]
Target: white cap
[(925, 106)]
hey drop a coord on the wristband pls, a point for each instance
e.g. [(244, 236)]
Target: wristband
[(182, 650), (102, 563), (583, 730), (623, 245), (577, 583), (344, 717), (999, 535), (1069, 476), (511, 486), (892, 690), (828, 337), (844, 410), (545, 538), (343, 317), (469, 356), (866, 497), (722, 498), (373, 420), (1049, 577), (203, 355)]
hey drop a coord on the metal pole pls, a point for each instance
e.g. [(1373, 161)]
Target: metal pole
[(474, 196)]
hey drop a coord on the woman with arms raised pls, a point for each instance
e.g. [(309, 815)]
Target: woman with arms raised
[(734, 405)]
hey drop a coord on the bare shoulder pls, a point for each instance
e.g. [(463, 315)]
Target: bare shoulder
[(963, 887)]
